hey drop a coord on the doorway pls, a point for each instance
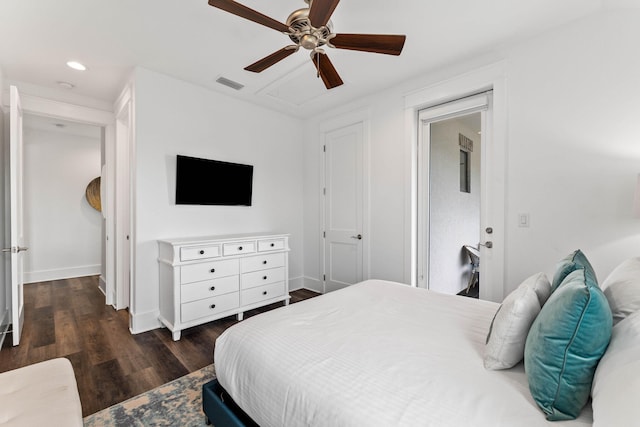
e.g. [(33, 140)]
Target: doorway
[(104, 120), (61, 158), (451, 149)]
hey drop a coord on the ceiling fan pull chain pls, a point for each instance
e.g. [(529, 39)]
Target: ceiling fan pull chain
[(318, 62)]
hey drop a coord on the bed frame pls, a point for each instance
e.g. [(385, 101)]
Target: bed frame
[(220, 409)]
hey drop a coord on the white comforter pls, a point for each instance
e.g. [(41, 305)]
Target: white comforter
[(375, 354)]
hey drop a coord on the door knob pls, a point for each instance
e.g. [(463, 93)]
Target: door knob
[(487, 245), (359, 237)]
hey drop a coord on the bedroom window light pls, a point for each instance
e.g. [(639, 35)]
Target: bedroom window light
[(466, 148), (465, 172)]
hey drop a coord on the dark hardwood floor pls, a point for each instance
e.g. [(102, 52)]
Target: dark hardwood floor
[(69, 318)]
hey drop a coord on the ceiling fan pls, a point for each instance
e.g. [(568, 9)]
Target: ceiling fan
[(311, 29)]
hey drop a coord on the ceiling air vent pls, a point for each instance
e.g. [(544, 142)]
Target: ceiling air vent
[(229, 83)]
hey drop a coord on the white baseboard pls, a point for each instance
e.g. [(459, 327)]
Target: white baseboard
[(312, 284), (61, 273), (144, 322), (296, 283), (102, 285)]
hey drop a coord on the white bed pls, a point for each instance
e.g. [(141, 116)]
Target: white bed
[(375, 354)]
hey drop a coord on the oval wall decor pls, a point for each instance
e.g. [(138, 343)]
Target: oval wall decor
[(93, 194)]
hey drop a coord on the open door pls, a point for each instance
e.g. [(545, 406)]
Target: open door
[(16, 215), (453, 195)]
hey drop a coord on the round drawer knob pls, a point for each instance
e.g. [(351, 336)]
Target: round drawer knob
[(264, 262), (264, 277), (213, 270), (239, 248), (212, 306), (273, 244), (213, 288), (264, 293), (201, 252)]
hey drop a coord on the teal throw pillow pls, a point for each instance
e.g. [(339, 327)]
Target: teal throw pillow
[(574, 261), (565, 344)]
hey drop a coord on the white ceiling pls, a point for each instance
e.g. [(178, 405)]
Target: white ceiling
[(194, 42), (51, 125)]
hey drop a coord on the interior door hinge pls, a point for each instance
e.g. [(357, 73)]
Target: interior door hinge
[(324, 234), (324, 191), (324, 277), (324, 148)]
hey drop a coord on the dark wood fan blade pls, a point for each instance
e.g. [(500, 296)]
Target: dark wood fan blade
[(321, 11), (250, 14), (327, 71), (268, 61), (377, 43)]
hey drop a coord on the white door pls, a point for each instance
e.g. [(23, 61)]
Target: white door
[(343, 207), (452, 205), (123, 208), (16, 215)]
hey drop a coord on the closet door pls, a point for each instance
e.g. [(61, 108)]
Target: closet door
[(343, 207)]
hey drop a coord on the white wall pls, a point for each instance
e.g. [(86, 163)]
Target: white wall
[(2, 88), (573, 152), (62, 231), (575, 145), (173, 117)]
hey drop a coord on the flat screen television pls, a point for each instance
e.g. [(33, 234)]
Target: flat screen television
[(212, 182)]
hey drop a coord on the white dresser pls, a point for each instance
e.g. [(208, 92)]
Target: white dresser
[(204, 279)]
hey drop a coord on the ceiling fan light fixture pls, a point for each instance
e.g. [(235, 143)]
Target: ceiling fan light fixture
[(309, 41)]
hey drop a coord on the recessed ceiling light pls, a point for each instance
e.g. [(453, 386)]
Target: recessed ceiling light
[(66, 85), (76, 65)]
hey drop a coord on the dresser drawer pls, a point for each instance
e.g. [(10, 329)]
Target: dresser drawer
[(190, 253), (262, 277), (262, 293), (209, 306), (238, 248), (209, 288), (270, 245), (261, 262), (209, 270)]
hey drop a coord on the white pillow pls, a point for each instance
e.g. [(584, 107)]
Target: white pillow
[(509, 329), (616, 384), (622, 289), (540, 284)]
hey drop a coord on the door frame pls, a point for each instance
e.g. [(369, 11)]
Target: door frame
[(490, 77), (327, 126), (473, 104), (36, 105), (16, 212), (124, 230)]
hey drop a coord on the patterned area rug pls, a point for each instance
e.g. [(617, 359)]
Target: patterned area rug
[(178, 403)]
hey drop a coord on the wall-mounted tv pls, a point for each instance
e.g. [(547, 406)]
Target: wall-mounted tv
[(212, 182)]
